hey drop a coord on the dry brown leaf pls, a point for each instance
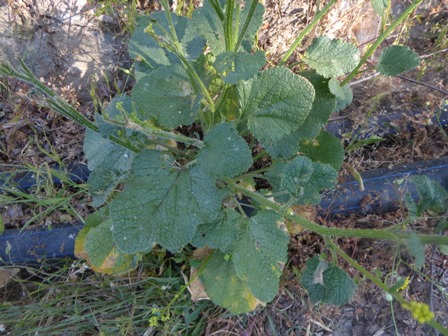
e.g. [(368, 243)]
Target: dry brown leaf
[(6, 274)]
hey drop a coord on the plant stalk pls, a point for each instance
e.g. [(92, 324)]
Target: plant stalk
[(380, 283), (398, 237), (307, 30), (380, 39)]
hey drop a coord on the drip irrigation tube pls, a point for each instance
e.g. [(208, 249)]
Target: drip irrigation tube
[(384, 189)]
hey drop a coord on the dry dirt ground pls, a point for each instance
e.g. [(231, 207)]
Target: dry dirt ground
[(76, 46)]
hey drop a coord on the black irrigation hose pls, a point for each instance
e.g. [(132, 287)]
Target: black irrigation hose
[(384, 189)]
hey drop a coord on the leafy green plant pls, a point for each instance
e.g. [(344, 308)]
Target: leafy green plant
[(208, 129)]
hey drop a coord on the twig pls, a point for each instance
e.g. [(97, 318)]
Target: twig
[(434, 53), (424, 84), (359, 81)]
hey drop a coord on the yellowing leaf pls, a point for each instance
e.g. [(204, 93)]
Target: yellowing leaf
[(94, 243), (225, 288)]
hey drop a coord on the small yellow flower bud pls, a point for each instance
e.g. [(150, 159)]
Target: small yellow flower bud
[(420, 311)]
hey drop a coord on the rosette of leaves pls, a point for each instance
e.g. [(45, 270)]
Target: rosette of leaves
[(166, 158)]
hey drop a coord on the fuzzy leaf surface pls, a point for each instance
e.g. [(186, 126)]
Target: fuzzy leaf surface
[(225, 288), (146, 49), (379, 6), (433, 196), (167, 95), (397, 59), (220, 234), (209, 25), (331, 57), (344, 94), (223, 141), (109, 164), (235, 67), (327, 283), (95, 244), (275, 103), (260, 254), (323, 105), (160, 204), (325, 148), (417, 250), (112, 112), (301, 179)]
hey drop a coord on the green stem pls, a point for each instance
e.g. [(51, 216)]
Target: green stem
[(54, 101), (228, 25), (153, 132), (249, 17), (217, 8), (397, 237), (305, 32), (169, 18), (380, 39), (380, 284), (177, 49)]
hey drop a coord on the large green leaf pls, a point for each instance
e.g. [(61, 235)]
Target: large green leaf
[(275, 103), (325, 148), (433, 196), (417, 250), (235, 67), (326, 282), (112, 112), (301, 179), (167, 95), (162, 204), (95, 244), (146, 48), (379, 6), (260, 254), (397, 59), (331, 57), (220, 234), (323, 105), (225, 288), (344, 94), (108, 162), (221, 142), (209, 25)]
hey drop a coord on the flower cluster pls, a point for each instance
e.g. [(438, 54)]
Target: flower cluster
[(420, 311)]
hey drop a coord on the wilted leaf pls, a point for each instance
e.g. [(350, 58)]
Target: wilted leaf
[(331, 57), (327, 283), (397, 59)]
